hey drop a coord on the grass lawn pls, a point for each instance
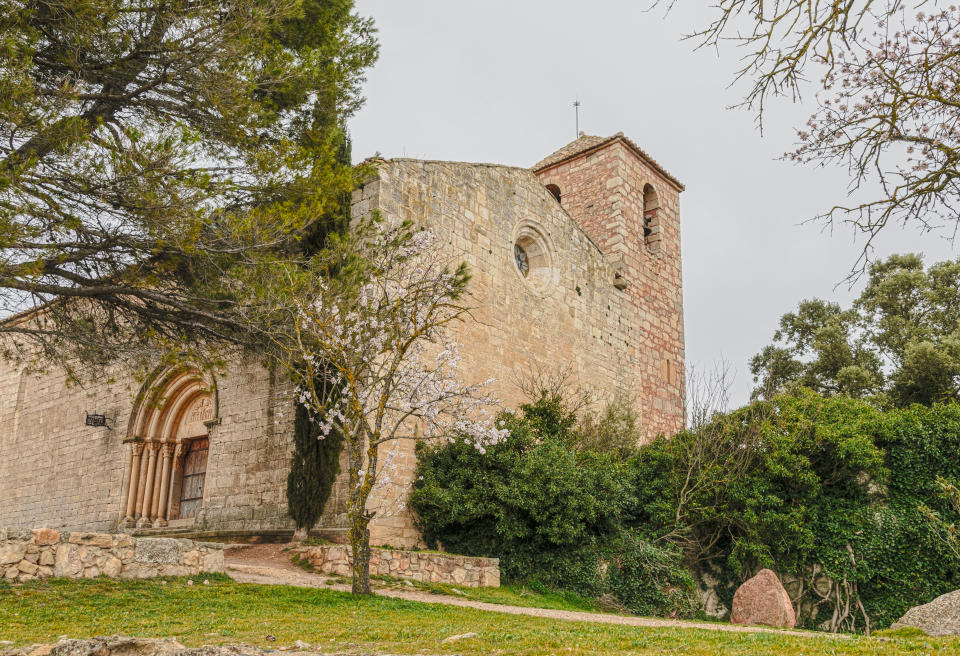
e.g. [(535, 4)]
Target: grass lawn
[(225, 611), (513, 594)]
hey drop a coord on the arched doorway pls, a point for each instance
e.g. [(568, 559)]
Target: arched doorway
[(169, 437)]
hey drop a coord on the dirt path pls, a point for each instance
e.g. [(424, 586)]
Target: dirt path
[(267, 564)]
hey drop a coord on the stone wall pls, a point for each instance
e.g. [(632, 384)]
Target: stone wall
[(57, 471), (425, 566), (40, 553), (569, 316)]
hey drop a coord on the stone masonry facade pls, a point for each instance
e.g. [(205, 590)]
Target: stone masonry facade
[(576, 270), (40, 553)]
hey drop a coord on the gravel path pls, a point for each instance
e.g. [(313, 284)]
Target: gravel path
[(267, 564)]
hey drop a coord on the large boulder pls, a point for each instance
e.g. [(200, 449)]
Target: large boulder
[(763, 600), (941, 617)]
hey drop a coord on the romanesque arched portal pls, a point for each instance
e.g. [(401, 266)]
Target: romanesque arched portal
[(169, 438)]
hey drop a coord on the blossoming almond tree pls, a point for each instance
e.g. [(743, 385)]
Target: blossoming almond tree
[(887, 108), (364, 332), (890, 112)]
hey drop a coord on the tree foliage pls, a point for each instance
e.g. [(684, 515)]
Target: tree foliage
[(552, 513), (314, 466), (150, 149), (832, 493), (899, 343)]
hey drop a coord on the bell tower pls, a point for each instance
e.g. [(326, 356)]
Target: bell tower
[(630, 207)]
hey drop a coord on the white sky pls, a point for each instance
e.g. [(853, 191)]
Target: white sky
[(494, 81)]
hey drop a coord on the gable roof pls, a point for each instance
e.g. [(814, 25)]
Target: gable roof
[(586, 143)]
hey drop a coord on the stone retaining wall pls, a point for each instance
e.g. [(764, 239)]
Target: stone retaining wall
[(423, 566), (44, 552)]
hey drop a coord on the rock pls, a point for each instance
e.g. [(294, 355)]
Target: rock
[(158, 551), (112, 567), (300, 644), (192, 558), (213, 561), (40, 650), (45, 536), (763, 600), (118, 645), (461, 636), (941, 617), (12, 553), (47, 558), (100, 540), (27, 567)]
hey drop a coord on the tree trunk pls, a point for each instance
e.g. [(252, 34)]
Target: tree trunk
[(360, 552), (299, 534)]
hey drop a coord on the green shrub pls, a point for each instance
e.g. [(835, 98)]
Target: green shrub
[(552, 514), (808, 486), (648, 579)]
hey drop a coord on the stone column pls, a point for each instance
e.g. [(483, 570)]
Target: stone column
[(176, 479), (157, 482), (148, 490), (142, 485), (162, 499), (135, 451)]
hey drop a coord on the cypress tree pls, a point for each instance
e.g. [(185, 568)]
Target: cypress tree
[(313, 470), (316, 462)]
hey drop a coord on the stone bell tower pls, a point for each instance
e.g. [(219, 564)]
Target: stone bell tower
[(630, 207)]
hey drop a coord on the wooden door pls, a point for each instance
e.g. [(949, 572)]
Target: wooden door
[(194, 475)]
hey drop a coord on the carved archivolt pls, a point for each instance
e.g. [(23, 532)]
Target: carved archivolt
[(172, 408)]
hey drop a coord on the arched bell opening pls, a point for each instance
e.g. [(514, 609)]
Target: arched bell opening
[(169, 437)]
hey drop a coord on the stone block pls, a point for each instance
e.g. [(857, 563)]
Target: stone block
[(191, 558), (213, 561), (123, 541), (159, 551), (112, 567), (45, 536), (67, 562), (12, 552), (100, 540), (27, 567)]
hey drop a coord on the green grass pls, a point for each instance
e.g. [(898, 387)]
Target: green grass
[(226, 612), (514, 594)]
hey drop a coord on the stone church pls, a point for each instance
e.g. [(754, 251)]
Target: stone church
[(576, 267)]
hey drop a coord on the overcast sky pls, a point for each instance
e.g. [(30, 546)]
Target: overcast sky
[(494, 81)]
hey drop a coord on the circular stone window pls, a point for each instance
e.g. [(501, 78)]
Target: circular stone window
[(532, 256)]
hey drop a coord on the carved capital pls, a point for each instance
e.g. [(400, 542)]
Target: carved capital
[(136, 448)]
